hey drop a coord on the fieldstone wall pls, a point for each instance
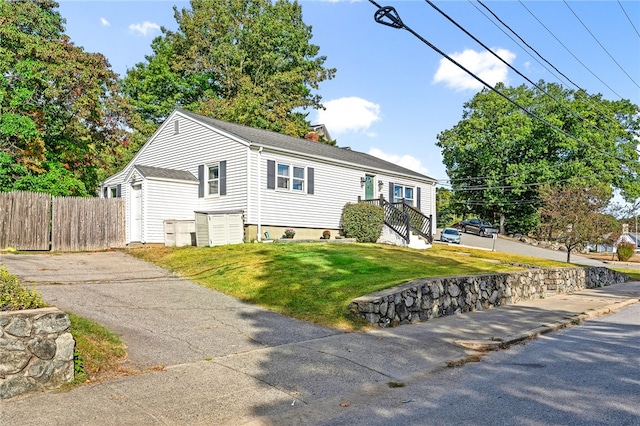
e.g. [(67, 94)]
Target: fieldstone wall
[(424, 299), (36, 351)]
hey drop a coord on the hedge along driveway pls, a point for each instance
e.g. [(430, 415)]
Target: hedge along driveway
[(162, 319)]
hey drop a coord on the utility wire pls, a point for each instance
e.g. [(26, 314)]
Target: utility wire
[(600, 44), (527, 44), (629, 19), (521, 185), (518, 43), (581, 92), (541, 89), (488, 186), (566, 48), (394, 21)]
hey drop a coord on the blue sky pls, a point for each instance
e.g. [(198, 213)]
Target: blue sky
[(392, 94)]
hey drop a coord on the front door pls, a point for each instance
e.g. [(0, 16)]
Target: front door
[(369, 191), (136, 213)]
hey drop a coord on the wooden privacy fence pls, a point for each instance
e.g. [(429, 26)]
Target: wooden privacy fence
[(24, 220), (33, 221)]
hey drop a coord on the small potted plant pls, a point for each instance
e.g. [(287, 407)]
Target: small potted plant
[(289, 233), (326, 234)]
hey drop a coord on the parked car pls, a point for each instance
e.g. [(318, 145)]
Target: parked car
[(450, 235), (479, 226)]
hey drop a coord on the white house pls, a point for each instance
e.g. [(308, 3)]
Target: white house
[(236, 177)]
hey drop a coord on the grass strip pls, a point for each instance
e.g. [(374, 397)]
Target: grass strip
[(99, 352)]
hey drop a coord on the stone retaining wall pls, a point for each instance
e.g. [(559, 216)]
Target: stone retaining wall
[(36, 351), (424, 299)]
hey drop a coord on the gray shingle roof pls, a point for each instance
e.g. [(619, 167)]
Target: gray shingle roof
[(159, 172), (303, 146)]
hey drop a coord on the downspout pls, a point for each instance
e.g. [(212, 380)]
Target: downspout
[(259, 197)]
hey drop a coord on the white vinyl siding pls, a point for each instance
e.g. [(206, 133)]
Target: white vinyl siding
[(199, 145), (165, 200), (334, 186), (307, 202), (193, 146)]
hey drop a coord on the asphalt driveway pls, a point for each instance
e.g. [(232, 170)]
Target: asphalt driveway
[(162, 319)]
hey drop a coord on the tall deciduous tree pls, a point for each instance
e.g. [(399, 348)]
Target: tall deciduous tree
[(59, 105), (497, 155), (246, 61)]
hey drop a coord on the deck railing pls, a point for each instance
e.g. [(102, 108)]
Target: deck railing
[(404, 219)]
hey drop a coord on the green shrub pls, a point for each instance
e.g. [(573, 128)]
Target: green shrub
[(14, 297), (625, 251), (363, 222)]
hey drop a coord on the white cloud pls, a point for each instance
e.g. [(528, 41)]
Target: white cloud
[(105, 23), (144, 28), (483, 64), (348, 114), (406, 161)]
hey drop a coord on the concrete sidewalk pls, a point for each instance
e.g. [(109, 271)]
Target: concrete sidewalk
[(303, 375)]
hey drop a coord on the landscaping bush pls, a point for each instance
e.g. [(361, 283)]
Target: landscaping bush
[(363, 222), (625, 251), (14, 297)]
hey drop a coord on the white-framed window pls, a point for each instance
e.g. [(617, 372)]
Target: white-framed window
[(213, 179), (110, 192), (402, 191), (290, 177)]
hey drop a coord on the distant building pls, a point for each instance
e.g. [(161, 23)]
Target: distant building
[(322, 131)]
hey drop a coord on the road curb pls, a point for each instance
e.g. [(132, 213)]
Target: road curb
[(502, 343)]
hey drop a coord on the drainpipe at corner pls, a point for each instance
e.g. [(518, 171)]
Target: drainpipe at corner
[(259, 198)]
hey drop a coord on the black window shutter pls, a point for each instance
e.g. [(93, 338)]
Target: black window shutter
[(119, 191), (105, 192), (271, 174), (418, 198), (391, 192), (201, 181), (310, 180), (223, 178)]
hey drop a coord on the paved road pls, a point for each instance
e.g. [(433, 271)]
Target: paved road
[(231, 363), (587, 375), (506, 245)]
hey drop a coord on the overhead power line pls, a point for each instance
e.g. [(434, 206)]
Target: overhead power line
[(519, 43), (566, 48), (582, 93), (629, 19), (541, 89), (485, 186), (600, 44), (388, 16)]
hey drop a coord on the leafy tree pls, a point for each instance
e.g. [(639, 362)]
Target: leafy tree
[(497, 155), (571, 214), (449, 209), (54, 179), (246, 61), (59, 105)]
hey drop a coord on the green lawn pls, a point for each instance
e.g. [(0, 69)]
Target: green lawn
[(314, 281)]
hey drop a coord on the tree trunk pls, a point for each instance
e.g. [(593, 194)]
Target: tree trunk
[(568, 255), (502, 231)]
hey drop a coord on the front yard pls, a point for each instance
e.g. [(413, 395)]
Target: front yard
[(315, 282)]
